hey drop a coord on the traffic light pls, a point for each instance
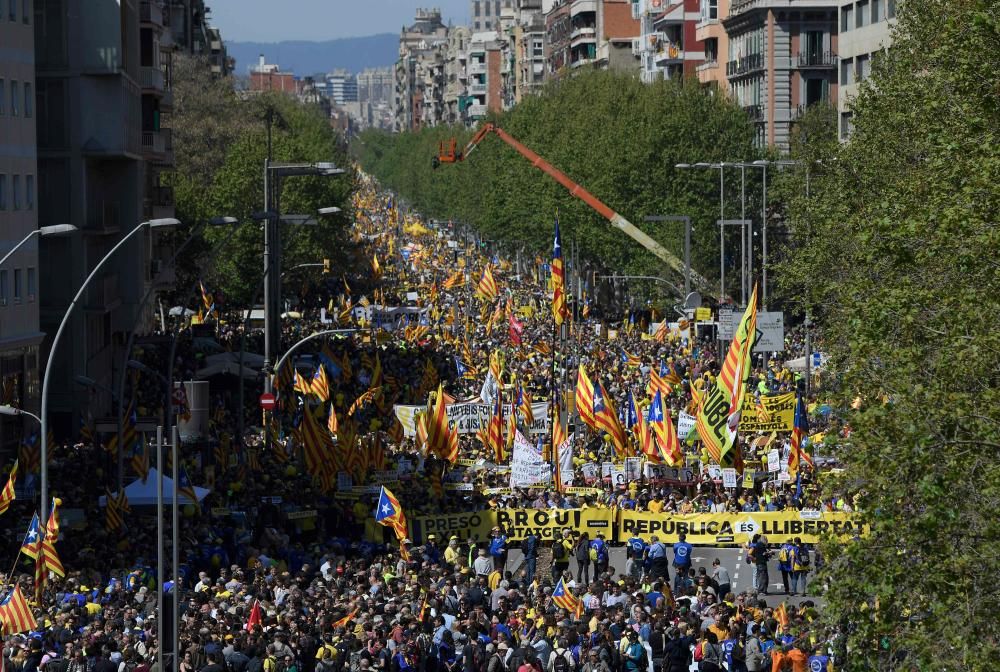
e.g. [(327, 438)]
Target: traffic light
[(326, 267)]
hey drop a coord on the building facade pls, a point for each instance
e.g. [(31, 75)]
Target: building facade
[(20, 335), (865, 31), (668, 46), (342, 87), (782, 57), (485, 14), (419, 72), (528, 47), (715, 43), (268, 77)]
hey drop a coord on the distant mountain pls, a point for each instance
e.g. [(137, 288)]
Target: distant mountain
[(309, 58)]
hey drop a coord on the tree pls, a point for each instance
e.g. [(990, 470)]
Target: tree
[(897, 254), (617, 137)]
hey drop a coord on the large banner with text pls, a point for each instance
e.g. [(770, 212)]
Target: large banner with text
[(543, 522), (469, 418), (735, 528)]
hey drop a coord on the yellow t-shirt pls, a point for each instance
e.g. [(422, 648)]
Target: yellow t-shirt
[(451, 555), (655, 506)]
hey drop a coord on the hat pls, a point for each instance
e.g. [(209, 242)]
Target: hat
[(431, 536)]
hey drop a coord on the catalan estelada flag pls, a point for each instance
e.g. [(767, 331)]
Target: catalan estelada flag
[(662, 426), (441, 439), (559, 309), (585, 398), (389, 512), (563, 598), (342, 622), (487, 287), (800, 429), (719, 413), (524, 405), (7, 495), (15, 614), (320, 385), (606, 419)]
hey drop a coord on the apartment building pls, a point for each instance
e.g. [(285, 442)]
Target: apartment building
[(558, 27), (101, 145), (715, 43), (485, 85), (375, 85), (528, 49), (485, 14), (667, 46), (268, 77), (456, 75), (419, 72), (865, 31), (342, 87), (591, 33), (782, 57), (188, 24), (20, 335)]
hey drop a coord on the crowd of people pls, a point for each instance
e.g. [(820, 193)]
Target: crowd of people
[(295, 556)]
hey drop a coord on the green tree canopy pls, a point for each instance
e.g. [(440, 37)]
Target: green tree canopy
[(896, 250)]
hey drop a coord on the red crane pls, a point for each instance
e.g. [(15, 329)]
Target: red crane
[(450, 155)]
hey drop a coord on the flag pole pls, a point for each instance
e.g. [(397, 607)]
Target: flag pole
[(20, 549)]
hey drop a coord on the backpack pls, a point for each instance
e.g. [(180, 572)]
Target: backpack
[(558, 550), (699, 651), (560, 664), (593, 554), (783, 555)]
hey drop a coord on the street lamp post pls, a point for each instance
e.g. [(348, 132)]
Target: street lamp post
[(53, 350), (721, 167), (53, 230), (273, 172)]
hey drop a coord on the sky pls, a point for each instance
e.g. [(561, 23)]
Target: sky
[(317, 20)]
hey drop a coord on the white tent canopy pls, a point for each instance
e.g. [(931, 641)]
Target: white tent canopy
[(144, 494)]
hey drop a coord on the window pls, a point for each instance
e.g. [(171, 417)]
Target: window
[(891, 9), (15, 192), (709, 10), (846, 17), (487, 7), (17, 284), (846, 71), (3, 192), (862, 14), (29, 192), (4, 288), (878, 11), (476, 12), (25, 11), (28, 106), (15, 93), (864, 67), (13, 10), (32, 284), (2, 89)]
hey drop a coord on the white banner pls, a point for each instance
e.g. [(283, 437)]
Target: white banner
[(773, 460), (685, 423), (565, 453), (469, 418), (526, 465)]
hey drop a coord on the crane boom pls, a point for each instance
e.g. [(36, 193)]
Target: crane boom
[(616, 220)]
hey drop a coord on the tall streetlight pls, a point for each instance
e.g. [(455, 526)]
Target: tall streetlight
[(10, 410), (53, 230), (273, 172), (43, 420), (214, 221), (721, 167), (763, 164)]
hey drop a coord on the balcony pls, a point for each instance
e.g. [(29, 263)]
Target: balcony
[(668, 53), (582, 7), (151, 79), (151, 13), (583, 34), (816, 60), (754, 112), (476, 111), (706, 66), (104, 295), (162, 202), (215, 45), (476, 89), (745, 66), (477, 67), (104, 218), (158, 146)]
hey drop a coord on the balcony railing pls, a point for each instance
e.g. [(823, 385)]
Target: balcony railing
[(151, 12), (817, 59), (745, 65), (476, 111), (151, 78), (477, 67), (477, 89), (158, 145), (588, 32), (755, 112)]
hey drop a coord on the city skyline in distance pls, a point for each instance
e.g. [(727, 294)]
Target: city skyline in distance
[(320, 20)]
